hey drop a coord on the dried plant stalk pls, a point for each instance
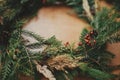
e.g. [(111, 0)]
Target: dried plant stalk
[(86, 7), (97, 5), (63, 61), (45, 71)]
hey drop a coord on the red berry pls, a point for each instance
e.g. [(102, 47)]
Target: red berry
[(79, 44), (86, 40), (88, 43), (66, 44), (94, 41), (87, 36), (91, 32)]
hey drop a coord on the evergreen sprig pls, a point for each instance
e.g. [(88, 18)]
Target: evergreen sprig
[(106, 25)]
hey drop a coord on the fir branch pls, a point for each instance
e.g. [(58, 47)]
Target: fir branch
[(94, 73), (114, 38), (7, 69), (52, 41), (105, 24), (31, 34), (35, 45), (99, 75)]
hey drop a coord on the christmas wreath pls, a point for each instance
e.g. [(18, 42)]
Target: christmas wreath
[(56, 61)]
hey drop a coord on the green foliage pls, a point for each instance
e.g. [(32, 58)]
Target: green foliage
[(96, 74), (53, 41), (13, 14), (114, 37), (33, 35), (17, 59), (106, 25), (6, 70)]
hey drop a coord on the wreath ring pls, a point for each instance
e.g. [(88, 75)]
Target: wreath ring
[(89, 57)]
